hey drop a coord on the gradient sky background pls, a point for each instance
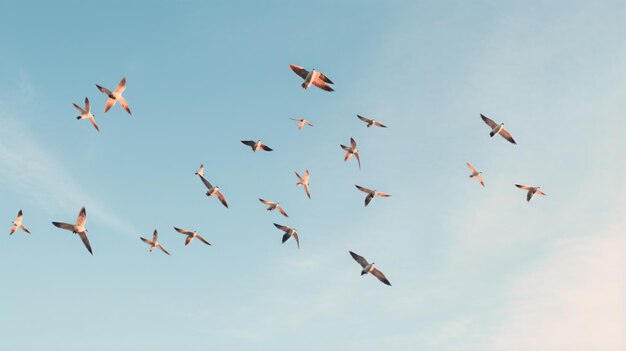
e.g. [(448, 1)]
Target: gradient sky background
[(471, 268)]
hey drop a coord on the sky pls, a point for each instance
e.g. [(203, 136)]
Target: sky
[(471, 268)]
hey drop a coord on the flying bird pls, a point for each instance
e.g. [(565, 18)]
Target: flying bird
[(475, 173), (289, 232), (17, 224), (271, 206), (154, 243), (314, 77), (256, 145), (301, 122), (532, 190), (304, 182), (213, 190), (115, 96), (190, 235), (200, 172), (351, 151), (371, 122), (497, 129), (370, 194), (369, 268), (78, 228), (86, 113)]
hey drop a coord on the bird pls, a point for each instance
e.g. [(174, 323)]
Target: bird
[(86, 113), (78, 228), (289, 232), (154, 243), (190, 235), (304, 182), (314, 77), (350, 151), (369, 268), (213, 190), (532, 190), (256, 145), (271, 206), (200, 171), (370, 194), (301, 122), (475, 173), (17, 224), (371, 122), (497, 129), (115, 96)]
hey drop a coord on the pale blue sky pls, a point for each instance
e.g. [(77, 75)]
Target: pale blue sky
[(471, 268)]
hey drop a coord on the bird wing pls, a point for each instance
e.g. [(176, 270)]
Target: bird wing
[(364, 189), (85, 239), (306, 175), (163, 249), (188, 239), (295, 235), (87, 105), (381, 194), (267, 202), (376, 123), (155, 236), (529, 195), (320, 84), (82, 217), (281, 210), (480, 179), (308, 123), (248, 142), (366, 120), (525, 187), (103, 89), (183, 231), (353, 143), (124, 104), (146, 241), (299, 71), (79, 108), (489, 121), (110, 102), (506, 135), (368, 199), (356, 154), (206, 182), (378, 274), (325, 79), (202, 239), (308, 192), (93, 122), (265, 147), (471, 167), (360, 259), (221, 197), (284, 228), (65, 226), (121, 86), (25, 229), (13, 229)]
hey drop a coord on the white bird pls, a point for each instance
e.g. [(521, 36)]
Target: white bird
[(213, 190), (78, 228), (369, 268), (301, 122), (289, 232), (256, 145), (370, 194), (86, 113), (304, 182), (200, 172), (314, 77), (497, 129), (475, 173), (271, 206), (115, 96), (371, 122), (154, 243), (190, 235), (532, 190), (17, 224), (351, 151)]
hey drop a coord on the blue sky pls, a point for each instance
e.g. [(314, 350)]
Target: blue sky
[(471, 268)]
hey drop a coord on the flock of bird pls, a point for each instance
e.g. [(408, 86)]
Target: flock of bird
[(313, 77)]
